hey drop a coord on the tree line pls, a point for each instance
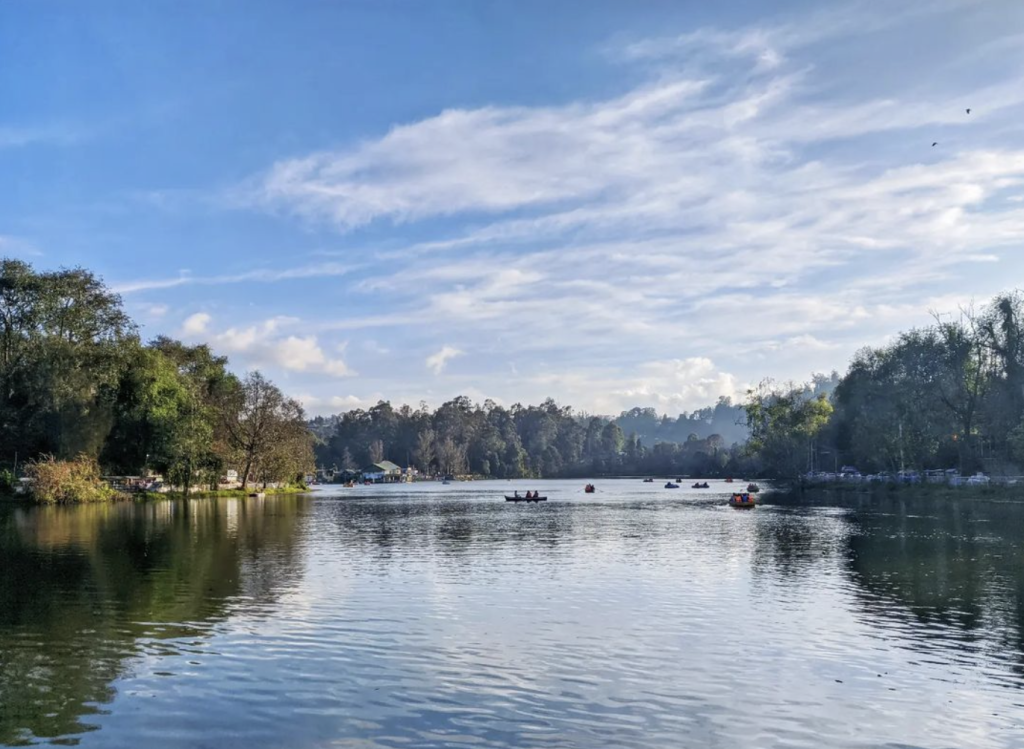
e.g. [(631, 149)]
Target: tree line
[(549, 440), (949, 395), (78, 383)]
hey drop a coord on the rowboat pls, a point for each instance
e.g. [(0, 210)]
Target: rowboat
[(524, 499), (743, 501), (670, 485)]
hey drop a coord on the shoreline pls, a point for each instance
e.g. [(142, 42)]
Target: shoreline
[(155, 496)]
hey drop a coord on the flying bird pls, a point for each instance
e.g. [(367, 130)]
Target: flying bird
[(935, 144), (968, 111)]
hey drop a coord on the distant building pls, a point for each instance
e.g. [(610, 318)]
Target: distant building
[(384, 472)]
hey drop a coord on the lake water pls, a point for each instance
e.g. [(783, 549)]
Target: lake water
[(442, 616)]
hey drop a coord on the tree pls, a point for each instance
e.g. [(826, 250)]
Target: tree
[(376, 451), (64, 340), (267, 431), (424, 453), (783, 424)]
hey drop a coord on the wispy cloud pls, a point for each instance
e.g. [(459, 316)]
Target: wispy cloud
[(18, 246), (438, 361), (20, 136), (259, 275), (739, 205)]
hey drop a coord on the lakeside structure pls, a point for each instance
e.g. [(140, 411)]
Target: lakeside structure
[(384, 472)]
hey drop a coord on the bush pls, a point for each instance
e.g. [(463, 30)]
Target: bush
[(75, 480), (7, 481)]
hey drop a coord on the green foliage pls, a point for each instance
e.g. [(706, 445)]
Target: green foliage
[(63, 343), (784, 424), (76, 383), (947, 396), (267, 433), (76, 480)]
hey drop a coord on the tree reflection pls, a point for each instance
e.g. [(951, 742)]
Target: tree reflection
[(940, 570), (82, 587)]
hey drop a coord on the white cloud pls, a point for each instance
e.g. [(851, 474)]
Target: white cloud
[(332, 404), (195, 324), (157, 310), (742, 205), (670, 385), (438, 361), (264, 344), (260, 275)]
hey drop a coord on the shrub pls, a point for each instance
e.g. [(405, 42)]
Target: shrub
[(75, 480), (7, 481)]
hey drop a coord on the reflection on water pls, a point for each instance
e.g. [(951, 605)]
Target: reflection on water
[(83, 590), (440, 616)]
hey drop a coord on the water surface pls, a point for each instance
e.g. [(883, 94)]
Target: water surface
[(441, 616)]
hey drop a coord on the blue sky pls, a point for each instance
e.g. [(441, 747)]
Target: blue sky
[(611, 203)]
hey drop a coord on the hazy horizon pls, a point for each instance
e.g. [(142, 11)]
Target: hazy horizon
[(639, 205)]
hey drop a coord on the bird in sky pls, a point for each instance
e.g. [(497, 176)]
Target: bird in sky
[(968, 111), (935, 144)]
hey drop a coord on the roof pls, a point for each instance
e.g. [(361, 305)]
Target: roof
[(386, 466)]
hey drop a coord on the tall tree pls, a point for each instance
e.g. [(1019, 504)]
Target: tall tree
[(263, 427)]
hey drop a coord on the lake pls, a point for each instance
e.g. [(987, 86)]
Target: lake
[(442, 616)]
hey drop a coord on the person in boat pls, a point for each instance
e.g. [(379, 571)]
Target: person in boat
[(529, 495), (516, 495)]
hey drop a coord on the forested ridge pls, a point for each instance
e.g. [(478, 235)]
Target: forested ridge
[(461, 437)]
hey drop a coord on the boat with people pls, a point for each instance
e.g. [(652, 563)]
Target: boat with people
[(648, 481), (753, 488), (728, 481), (528, 497), (744, 501), (670, 485), (699, 485), (589, 489)]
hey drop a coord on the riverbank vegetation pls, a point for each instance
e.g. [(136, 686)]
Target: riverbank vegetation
[(81, 395), (947, 396)]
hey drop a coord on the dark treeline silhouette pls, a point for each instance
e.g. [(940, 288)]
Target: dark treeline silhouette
[(548, 440), (947, 396)]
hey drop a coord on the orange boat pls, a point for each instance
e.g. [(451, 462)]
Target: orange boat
[(744, 501)]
